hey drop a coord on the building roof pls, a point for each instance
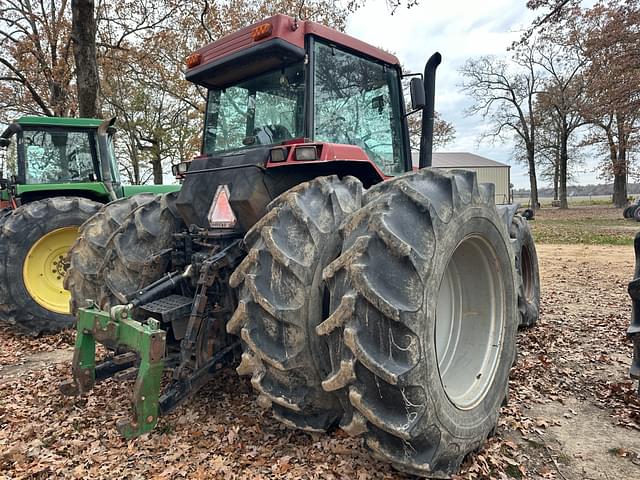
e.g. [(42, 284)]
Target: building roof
[(459, 159)]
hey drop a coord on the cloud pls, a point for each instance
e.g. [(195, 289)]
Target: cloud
[(459, 30)]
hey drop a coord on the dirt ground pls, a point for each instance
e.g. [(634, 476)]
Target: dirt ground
[(572, 413)]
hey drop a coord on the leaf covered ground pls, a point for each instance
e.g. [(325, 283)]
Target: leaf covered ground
[(572, 413)]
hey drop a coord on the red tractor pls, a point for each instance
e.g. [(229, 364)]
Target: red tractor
[(358, 292)]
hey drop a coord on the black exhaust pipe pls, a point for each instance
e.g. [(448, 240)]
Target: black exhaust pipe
[(428, 112)]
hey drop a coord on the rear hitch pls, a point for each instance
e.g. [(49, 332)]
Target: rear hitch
[(146, 342)]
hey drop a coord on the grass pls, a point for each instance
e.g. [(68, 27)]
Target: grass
[(592, 225)]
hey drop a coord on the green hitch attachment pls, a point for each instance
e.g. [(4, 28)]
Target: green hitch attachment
[(117, 328)]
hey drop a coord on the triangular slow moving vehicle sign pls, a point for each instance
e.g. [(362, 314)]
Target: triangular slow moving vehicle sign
[(221, 214)]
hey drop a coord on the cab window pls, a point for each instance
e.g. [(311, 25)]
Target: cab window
[(357, 102)]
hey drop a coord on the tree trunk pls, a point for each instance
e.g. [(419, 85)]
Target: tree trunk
[(533, 181), (564, 158), (58, 99), (556, 178), (135, 159), (619, 160), (156, 164), (620, 190), (620, 179), (83, 32)]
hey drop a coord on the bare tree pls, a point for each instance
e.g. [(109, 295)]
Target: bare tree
[(503, 94), (562, 95), (608, 37), (35, 58)]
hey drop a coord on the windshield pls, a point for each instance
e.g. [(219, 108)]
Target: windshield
[(357, 102), (264, 110), (58, 157)]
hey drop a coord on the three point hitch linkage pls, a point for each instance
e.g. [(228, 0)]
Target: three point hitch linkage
[(146, 354)]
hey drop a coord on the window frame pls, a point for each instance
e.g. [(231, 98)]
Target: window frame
[(219, 90), (22, 159), (309, 104)]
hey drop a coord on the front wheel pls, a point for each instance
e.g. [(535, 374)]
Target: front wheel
[(35, 239), (423, 320)]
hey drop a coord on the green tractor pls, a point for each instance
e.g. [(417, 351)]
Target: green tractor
[(55, 174)]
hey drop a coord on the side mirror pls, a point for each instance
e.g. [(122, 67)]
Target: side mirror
[(418, 99)]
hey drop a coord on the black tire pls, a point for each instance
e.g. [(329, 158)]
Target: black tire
[(626, 213), (20, 231), (635, 213), (528, 272), (138, 253), (385, 289), (282, 297), (528, 213), (88, 252)]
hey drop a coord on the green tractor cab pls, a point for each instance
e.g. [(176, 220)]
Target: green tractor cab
[(55, 173)]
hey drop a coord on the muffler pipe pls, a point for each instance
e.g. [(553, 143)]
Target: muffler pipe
[(428, 112), (105, 164)]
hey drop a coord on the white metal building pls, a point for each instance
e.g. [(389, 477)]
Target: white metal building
[(488, 171)]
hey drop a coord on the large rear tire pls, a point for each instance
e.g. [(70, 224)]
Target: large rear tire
[(423, 320), (138, 253), (35, 239), (528, 273), (88, 252), (282, 298)]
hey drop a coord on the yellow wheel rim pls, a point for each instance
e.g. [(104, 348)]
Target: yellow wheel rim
[(45, 267)]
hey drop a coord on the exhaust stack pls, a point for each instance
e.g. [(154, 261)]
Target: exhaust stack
[(105, 167), (428, 112)]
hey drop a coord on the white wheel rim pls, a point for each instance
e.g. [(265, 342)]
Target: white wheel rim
[(469, 323)]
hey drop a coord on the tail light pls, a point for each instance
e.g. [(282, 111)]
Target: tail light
[(179, 169), (221, 214), (306, 153)]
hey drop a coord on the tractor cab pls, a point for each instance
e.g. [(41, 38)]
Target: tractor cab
[(294, 100), (289, 82), (46, 154)]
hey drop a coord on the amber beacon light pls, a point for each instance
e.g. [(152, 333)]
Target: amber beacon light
[(261, 31), (194, 60)]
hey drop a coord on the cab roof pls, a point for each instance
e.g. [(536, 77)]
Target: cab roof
[(59, 121), (241, 53)]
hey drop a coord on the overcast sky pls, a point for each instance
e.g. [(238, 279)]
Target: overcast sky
[(458, 29)]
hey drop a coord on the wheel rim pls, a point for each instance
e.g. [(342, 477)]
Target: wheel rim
[(45, 267), (469, 322)]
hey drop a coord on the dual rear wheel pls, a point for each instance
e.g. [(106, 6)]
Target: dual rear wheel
[(409, 329), (391, 313), (42, 286)]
